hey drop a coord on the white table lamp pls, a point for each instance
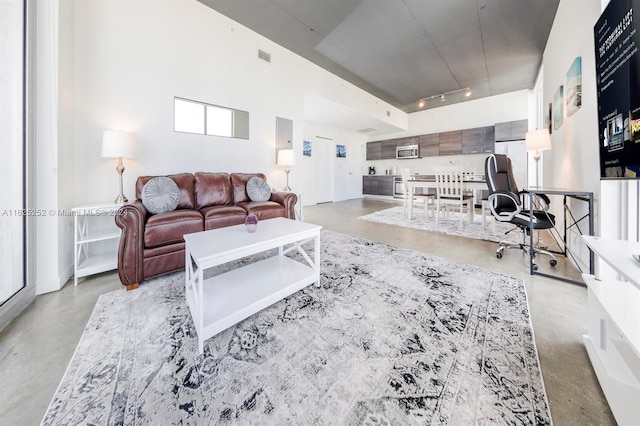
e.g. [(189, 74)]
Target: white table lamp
[(118, 144), (537, 140), (286, 158)]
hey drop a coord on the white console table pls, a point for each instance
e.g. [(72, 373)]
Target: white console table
[(613, 339)]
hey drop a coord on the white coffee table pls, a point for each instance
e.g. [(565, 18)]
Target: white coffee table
[(223, 300)]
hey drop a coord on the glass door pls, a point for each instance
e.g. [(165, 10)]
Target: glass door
[(12, 145)]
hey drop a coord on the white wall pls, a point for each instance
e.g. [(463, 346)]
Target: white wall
[(121, 63), (573, 161), (354, 143), (473, 113)]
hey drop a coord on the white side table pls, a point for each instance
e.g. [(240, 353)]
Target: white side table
[(84, 263)]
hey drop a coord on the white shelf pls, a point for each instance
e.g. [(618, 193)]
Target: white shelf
[(97, 263), (231, 297), (103, 236)]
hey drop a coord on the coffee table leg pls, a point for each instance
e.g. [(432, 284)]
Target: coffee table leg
[(316, 259), (200, 310), (194, 291)]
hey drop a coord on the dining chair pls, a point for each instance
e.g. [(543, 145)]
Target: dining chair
[(428, 199), (450, 191), (467, 175)]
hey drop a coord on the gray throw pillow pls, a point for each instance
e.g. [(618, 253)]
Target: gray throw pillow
[(258, 189), (160, 195)]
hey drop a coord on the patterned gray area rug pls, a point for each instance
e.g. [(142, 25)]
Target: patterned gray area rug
[(390, 337), (493, 231)]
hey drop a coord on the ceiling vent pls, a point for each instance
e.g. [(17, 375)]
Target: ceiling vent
[(264, 55), (367, 130)]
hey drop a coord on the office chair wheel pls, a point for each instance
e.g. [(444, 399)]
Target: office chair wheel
[(499, 255), (553, 262), (534, 267)]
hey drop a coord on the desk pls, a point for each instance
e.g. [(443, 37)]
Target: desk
[(431, 183), (576, 195)]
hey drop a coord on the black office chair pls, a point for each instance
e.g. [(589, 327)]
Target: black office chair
[(508, 205)]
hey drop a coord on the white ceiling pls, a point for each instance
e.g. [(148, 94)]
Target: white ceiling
[(325, 111), (405, 50)]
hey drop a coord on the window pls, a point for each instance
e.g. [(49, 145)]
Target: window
[(206, 119), (12, 143)]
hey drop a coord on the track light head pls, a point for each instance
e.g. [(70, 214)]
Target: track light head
[(422, 102)]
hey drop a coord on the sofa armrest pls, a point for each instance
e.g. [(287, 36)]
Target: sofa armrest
[(131, 218), (288, 200)]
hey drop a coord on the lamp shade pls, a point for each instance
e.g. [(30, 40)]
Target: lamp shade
[(117, 144), (286, 157), (537, 140)]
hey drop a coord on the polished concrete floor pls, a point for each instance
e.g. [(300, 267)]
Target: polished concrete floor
[(36, 347)]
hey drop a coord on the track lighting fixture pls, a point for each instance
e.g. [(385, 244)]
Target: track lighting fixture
[(442, 96)]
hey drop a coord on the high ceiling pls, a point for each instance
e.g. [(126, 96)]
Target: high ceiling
[(403, 51)]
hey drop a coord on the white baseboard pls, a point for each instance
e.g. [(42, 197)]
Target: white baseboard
[(16, 304)]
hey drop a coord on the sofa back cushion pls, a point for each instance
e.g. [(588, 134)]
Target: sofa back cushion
[(213, 189), (239, 183), (184, 181)]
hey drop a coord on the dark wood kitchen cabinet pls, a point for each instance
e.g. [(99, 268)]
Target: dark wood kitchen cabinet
[(429, 145), (511, 130), (377, 185), (374, 150), (478, 140), (389, 149), (451, 142), (381, 150), (411, 140)]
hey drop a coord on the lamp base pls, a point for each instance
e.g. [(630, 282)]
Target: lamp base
[(287, 188), (121, 198)]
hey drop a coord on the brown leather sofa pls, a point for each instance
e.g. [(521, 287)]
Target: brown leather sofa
[(152, 245)]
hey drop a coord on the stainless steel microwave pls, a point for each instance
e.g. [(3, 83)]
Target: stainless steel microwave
[(408, 151)]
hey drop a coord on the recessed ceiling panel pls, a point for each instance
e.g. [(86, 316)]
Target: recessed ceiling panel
[(464, 55), (405, 50), (445, 20)]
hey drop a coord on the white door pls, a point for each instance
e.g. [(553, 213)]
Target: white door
[(354, 170), (324, 171)]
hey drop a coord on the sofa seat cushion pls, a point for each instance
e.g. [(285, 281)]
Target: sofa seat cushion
[(220, 216), (264, 209), (169, 227)]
